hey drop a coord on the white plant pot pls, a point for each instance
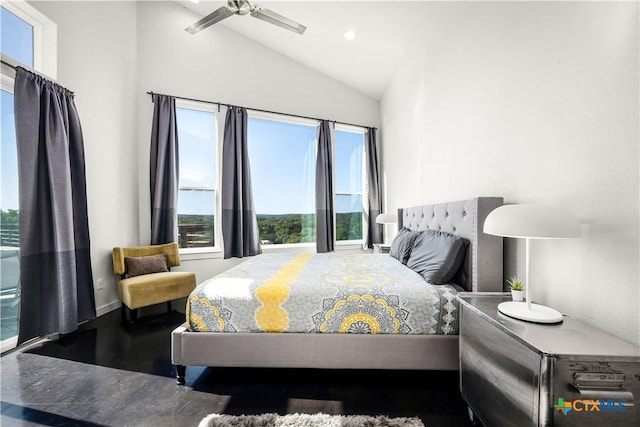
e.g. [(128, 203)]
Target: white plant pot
[(517, 295)]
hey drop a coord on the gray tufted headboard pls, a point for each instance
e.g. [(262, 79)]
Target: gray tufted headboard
[(482, 267)]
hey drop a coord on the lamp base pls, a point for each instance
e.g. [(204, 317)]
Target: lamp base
[(537, 314)]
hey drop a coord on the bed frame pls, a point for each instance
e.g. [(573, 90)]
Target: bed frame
[(481, 272)]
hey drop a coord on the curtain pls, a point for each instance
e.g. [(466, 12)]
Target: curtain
[(164, 170), (325, 235), (55, 261), (374, 231), (239, 222)]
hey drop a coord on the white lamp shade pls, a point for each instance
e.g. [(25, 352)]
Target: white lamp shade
[(531, 222), (387, 218)]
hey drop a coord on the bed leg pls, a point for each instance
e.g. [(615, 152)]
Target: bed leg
[(181, 371)]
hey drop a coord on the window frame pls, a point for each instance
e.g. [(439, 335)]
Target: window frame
[(217, 248), (340, 244), (365, 184), (6, 84), (45, 54), (284, 118), (45, 38)]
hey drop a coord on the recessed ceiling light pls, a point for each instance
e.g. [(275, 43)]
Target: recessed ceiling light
[(195, 1), (349, 35)]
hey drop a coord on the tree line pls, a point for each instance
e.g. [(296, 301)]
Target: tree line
[(273, 229)]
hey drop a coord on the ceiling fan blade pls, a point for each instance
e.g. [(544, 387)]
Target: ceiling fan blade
[(277, 19), (215, 16)]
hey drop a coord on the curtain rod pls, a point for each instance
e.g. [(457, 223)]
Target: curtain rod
[(8, 64), (26, 67), (259, 109)]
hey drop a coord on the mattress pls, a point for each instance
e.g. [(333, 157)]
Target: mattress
[(323, 293)]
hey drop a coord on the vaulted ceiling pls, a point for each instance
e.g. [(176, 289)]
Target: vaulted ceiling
[(383, 30)]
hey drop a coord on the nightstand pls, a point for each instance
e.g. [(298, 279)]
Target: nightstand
[(381, 248), (517, 373)]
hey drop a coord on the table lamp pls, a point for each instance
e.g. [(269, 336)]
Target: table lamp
[(384, 219), (531, 222)]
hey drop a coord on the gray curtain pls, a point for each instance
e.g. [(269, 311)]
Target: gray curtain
[(55, 262), (239, 222), (325, 235), (374, 231), (164, 171)]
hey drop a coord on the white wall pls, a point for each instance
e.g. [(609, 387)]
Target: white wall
[(97, 60), (111, 53), (538, 103), (218, 64)]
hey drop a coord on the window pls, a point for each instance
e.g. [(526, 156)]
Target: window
[(9, 216), (349, 183), (283, 161), (17, 38), (27, 38), (198, 180)]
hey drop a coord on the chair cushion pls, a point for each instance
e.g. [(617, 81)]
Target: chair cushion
[(118, 254), (155, 288), (140, 265)]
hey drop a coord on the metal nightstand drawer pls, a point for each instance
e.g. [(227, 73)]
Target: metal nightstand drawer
[(516, 373)]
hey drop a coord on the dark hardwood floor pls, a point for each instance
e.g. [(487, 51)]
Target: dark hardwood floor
[(109, 374)]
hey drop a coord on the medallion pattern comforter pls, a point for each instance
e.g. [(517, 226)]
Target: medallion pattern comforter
[(323, 293)]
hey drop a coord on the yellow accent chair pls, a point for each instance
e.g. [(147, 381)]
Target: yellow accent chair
[(146, 277)]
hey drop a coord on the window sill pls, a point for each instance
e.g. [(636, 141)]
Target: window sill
[(189, 254), (349, 246), (311, 247), (289, 247)]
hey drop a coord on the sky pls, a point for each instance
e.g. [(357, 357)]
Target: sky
[(282, 158), (8, 154), (16, 41), (17, 37)]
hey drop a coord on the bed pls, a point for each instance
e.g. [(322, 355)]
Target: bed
[(415, 327)]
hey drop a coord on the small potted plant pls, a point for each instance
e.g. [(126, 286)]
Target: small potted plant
[(517, 288)]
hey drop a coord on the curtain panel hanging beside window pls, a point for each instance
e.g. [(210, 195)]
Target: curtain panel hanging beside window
[(164, 170), (239, 222), (374, 231), (55, 261), (325, 236)]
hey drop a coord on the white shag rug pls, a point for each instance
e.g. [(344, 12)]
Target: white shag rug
[(307, 420)]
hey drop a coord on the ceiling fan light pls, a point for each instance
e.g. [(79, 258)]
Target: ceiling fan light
[(349, 35)]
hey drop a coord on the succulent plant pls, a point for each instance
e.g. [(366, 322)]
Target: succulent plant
[(516, 284)]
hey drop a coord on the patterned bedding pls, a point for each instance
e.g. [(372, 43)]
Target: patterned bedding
[(323, 293)]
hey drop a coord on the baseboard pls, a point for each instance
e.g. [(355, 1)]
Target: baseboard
[(107, 308)]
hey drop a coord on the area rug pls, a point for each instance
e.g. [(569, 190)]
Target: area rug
[(307, 420)]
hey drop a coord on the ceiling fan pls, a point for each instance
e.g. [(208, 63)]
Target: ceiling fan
[(242, 7)]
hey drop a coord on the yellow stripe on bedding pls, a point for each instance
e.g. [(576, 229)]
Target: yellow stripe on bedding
[(270, 316)]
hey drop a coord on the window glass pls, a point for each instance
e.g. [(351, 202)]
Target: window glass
[(197, 180), (9, 227), (17, 38), (283, 161), (28, 38), (349, 148)]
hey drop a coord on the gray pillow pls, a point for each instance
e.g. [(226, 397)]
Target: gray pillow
[(437, 256), (402, 243), (137, 266)]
